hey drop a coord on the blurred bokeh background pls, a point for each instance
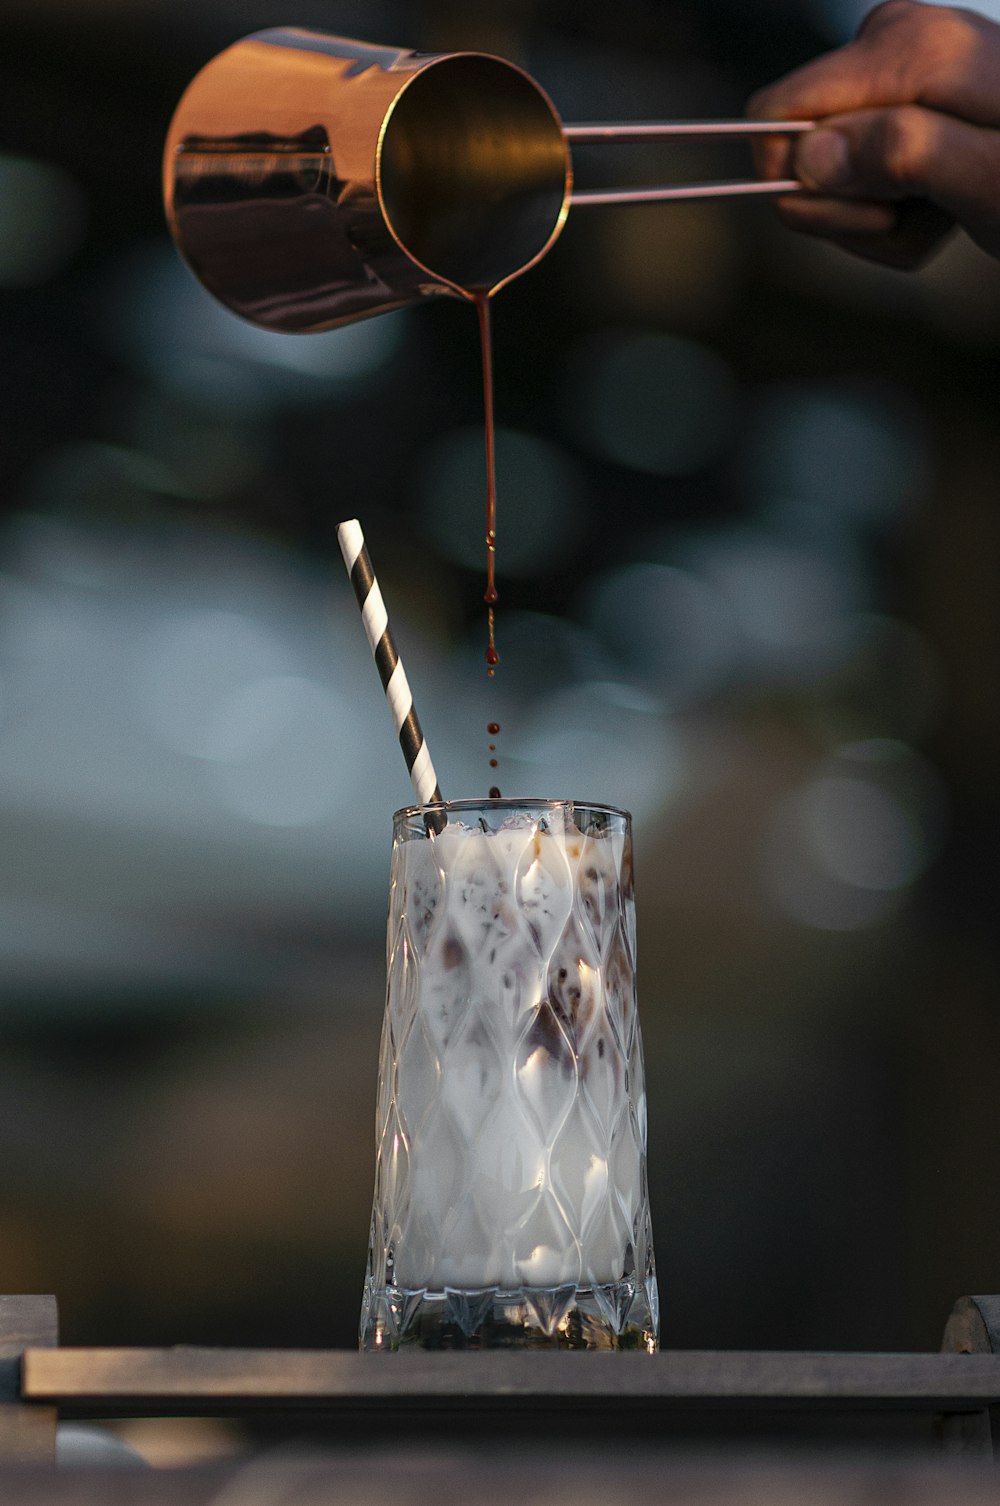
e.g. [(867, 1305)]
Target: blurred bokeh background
[(749, 554)]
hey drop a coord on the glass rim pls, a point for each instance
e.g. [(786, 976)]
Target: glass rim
[(509, 802)]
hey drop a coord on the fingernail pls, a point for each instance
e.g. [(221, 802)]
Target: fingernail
[(823, 160)]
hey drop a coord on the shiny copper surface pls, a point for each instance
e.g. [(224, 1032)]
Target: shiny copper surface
[(311, 180)]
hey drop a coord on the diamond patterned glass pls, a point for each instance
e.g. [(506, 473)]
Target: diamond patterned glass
[(510, 1203)]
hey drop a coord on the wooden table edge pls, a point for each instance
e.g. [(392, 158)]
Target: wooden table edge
[(343, 1380)]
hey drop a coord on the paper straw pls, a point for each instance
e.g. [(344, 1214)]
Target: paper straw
[(390, 668)]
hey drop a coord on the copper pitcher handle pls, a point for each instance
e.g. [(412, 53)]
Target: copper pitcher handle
[(597, 134)]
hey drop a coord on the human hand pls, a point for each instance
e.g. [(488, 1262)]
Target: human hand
[(907, 144)]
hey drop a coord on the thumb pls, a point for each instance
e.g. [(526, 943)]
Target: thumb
[(908, 152)]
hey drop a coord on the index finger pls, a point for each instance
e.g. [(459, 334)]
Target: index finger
[(904, 53)]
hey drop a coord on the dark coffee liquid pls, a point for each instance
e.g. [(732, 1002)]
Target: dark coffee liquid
[(482, 302)]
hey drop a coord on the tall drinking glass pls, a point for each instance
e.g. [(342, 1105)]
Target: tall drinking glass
[(511, 1207)]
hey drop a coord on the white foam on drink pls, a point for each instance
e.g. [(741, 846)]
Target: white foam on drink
[(517, 1162)]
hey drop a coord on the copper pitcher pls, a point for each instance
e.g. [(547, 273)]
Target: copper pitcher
[(311, 180)]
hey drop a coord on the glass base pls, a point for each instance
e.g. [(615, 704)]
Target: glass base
[(622, 1315)]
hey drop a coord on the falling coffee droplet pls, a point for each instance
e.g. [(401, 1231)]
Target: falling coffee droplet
[(493, 729)]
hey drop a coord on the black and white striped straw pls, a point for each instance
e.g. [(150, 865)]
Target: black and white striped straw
[(391, 671)]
